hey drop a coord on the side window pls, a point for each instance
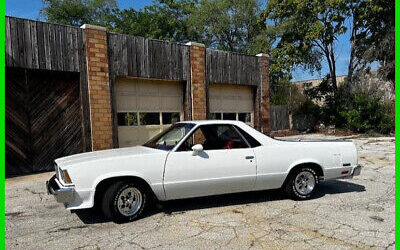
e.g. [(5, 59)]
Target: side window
[(214, 137), (253, 142), (196, 138)]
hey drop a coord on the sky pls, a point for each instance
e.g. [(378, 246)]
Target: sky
[(30, 9)]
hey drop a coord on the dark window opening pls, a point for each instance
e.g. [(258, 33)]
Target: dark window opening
[(229, 116), (253, 142), (215, 116), (170, 117), (149, 118), (127, 119), (244, 117)]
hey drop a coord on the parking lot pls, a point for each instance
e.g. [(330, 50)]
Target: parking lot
[(357, 213)]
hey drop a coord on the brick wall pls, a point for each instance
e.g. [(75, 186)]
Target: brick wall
[(264, 94), (99, 90), (198, 86)]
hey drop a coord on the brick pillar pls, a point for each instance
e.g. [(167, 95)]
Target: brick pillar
[(198, 84), (264, 94), (98, 85)]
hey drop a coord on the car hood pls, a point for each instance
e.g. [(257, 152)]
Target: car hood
[(106, 154)]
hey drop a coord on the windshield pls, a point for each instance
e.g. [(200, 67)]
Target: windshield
[(167, 139)]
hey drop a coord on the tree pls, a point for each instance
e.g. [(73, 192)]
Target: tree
[(309, 30), (164, 19), (375, 21), (354, 61), (77, 12), (229, 25)]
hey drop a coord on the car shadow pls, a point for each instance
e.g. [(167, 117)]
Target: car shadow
[(339, 187), (91, 216), (94, 216)]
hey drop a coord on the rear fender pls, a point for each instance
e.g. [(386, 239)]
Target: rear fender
[(305, 161)]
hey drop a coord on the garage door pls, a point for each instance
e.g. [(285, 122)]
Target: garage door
[(43, 119), (145, 108), (230, 102)]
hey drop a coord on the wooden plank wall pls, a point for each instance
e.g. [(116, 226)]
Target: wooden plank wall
[(17, 130), (232, 68), (147, 58), (38, 45), (43, 119), (279, 117)]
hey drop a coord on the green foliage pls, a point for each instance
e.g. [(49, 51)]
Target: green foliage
[(369, 114), (164, 19), (306, 29), (375, 20), (324, 93), (358, 111), (230, 25), (308, 107), (280, 94), (78, 12)]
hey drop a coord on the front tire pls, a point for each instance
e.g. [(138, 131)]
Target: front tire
[(124, 201), (302, 184)]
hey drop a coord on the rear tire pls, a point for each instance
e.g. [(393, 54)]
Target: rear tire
[(302, 184), (124, 201)]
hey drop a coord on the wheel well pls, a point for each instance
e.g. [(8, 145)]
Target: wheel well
[(314, 166), (104, 184)]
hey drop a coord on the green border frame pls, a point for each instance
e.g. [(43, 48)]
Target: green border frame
[(2, 126), (397, 108), (2, 123)]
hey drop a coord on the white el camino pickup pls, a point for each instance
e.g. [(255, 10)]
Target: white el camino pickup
[(193, 159)]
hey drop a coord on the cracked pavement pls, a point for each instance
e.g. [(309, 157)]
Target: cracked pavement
[(355, 213)]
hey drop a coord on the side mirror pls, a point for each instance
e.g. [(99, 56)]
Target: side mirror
[(196, 149)]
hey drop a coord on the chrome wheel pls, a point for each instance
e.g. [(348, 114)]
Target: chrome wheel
[(304, 182), (129, 201)]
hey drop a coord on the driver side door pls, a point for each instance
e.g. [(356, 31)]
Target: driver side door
[(226, 165)]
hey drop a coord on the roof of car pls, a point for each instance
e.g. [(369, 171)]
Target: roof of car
[(205, 122)]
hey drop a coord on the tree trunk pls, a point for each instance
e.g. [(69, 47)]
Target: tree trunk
[(333, 71), (352, 62), (330, 58)]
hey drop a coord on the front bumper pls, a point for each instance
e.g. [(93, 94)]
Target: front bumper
[(62, 194)]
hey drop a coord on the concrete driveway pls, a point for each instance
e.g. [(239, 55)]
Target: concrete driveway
[(346, 214)]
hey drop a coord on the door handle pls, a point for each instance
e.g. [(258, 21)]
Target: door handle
[(249, 157)]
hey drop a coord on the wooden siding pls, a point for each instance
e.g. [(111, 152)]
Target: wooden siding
[(280, 117), (232, 68), (43, 119), (147, 58), (38, 45), (17, 127)]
